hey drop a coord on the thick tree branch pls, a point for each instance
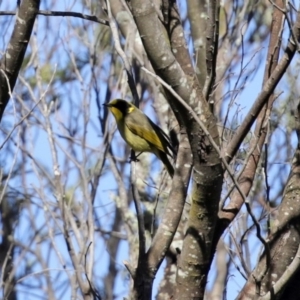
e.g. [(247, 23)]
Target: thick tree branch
[(149, 265), (285, 278), (12, 59), (207, 166)]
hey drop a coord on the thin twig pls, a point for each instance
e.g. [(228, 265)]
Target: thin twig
[(262, 98), (31, 110), (95, 293), (129, 268), (156, 205), (154, 214), (139, 211), (239, 253), (38, 273), (266, 176), (19, 123), (263, 241), (229, 251), (62, 14)]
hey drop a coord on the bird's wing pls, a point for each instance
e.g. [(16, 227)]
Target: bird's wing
[(148, 131), (163, 136)]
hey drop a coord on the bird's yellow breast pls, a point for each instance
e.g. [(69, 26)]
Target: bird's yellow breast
[(134, 141)]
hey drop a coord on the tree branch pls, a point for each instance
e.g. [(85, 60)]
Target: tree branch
[(263, 97), (53, 13), (13, 57)]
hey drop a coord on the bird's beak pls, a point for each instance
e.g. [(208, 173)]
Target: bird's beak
[(106, 104)]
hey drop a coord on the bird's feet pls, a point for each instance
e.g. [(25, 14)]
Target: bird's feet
[(134, 157)]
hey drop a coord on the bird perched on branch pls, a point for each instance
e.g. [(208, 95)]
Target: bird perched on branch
[(140, 133)]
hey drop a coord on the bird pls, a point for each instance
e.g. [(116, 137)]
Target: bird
[(140, 133)]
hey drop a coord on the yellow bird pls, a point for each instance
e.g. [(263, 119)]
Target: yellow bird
[(140, 133)]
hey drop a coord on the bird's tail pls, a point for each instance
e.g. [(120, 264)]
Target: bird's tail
[(164, 158)]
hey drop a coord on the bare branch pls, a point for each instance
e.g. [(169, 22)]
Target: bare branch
[(266, 92), (285, 277), (13, 57), (62, 14), (139, 211)]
